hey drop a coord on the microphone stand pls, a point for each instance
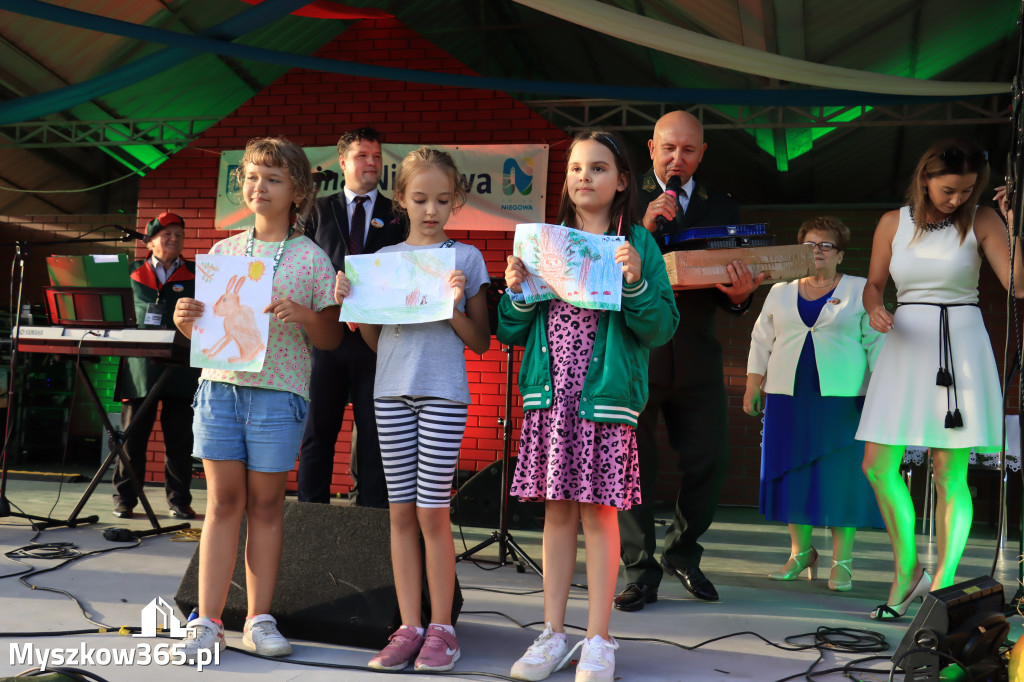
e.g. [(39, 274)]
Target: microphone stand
[(507, 546), (21, 252)]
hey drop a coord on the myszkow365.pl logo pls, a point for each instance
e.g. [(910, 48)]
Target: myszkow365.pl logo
[(158, 614)]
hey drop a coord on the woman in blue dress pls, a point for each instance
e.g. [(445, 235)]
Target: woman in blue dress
[(811, 352)]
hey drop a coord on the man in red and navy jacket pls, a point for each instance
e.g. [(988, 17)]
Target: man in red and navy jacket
[(157, 284)]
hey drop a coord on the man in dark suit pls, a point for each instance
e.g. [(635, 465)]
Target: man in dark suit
[(356, 220), (686, 380), (157, 284)]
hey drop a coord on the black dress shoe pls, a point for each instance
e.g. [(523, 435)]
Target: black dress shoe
[(182, 511), (635, 596), (693, 579), (123, 511)]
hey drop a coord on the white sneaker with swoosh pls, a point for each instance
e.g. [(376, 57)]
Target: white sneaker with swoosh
[(440, 650)]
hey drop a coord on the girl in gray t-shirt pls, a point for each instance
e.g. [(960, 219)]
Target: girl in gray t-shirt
[(421, 398)]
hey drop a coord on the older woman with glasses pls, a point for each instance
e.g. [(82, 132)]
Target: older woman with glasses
[(811, 351), (936, 383)]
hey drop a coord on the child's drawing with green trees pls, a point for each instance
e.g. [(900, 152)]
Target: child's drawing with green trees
[(569, 264)]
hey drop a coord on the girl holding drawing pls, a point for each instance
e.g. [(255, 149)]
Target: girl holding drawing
[(247, 459), (421, 398), (584, 382)]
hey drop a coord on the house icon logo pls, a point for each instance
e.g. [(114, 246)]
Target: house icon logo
[(160, 614)]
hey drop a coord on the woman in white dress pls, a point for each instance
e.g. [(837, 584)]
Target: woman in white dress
[(935, 384)]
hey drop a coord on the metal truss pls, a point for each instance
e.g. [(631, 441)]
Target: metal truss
[(154, 132), (573, 115)]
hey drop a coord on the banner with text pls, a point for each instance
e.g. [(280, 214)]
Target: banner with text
[(506, 184)]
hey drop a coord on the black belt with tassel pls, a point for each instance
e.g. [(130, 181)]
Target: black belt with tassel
[(946, 376)]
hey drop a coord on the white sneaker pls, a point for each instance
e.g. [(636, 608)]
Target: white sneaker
[(261, 635), (202, 635), (597, 662), (547, 654)]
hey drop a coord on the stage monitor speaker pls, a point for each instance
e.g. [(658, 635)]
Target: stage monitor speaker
[(478, 502), (335, 584), (964, 621)]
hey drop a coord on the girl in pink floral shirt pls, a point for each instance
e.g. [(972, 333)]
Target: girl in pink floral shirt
[(248, 425)]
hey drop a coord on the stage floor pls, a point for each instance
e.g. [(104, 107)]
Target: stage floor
[(740, 550)]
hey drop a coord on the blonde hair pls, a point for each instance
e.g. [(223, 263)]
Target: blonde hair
[(421, 158), (834, 227), (277, 152), (952, 156)]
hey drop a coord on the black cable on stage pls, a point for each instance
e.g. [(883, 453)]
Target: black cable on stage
[(845, 669), (825, 638), (495, 590), (124, 629), (934, 652), (840, 640), (366, 669), (833, 639), (76, 674), (57, 550), (31, 541)]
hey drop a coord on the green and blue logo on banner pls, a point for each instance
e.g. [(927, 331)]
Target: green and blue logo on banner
[(516, 177)]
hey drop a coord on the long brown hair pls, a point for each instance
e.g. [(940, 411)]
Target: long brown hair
[(952, 156), (623, 205)]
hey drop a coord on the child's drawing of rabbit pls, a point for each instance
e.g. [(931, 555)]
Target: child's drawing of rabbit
[(239, 325)]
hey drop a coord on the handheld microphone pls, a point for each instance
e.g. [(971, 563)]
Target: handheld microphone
[(672, 188), (130, 234)]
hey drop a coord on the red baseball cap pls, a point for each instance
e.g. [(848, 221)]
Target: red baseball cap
[(163, 220)]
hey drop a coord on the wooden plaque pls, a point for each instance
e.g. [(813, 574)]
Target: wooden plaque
[(703, 269)]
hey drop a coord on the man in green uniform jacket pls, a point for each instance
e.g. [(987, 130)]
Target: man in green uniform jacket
[(157, 284)]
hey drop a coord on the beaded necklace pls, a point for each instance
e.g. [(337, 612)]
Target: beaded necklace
[(935, 227)]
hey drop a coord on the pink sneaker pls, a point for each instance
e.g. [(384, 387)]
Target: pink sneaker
[(440, 650), (402, 646)]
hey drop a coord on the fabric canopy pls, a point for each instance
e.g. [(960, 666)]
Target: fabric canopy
[(670, 39), (35, 107)]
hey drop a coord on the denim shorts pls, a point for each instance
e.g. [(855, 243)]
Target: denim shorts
[(260, 427)]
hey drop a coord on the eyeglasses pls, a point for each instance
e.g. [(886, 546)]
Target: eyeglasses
[(954, 156), (824, 247)]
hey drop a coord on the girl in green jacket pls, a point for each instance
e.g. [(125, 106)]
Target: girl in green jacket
[(584, 382)]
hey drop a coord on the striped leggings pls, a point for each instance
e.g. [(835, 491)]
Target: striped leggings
[(419, 446)]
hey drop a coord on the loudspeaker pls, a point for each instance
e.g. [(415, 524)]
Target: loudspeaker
[(336, 583), (964, 621), (478, 501)]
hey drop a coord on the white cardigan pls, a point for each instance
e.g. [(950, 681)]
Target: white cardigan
[(845, 345)]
